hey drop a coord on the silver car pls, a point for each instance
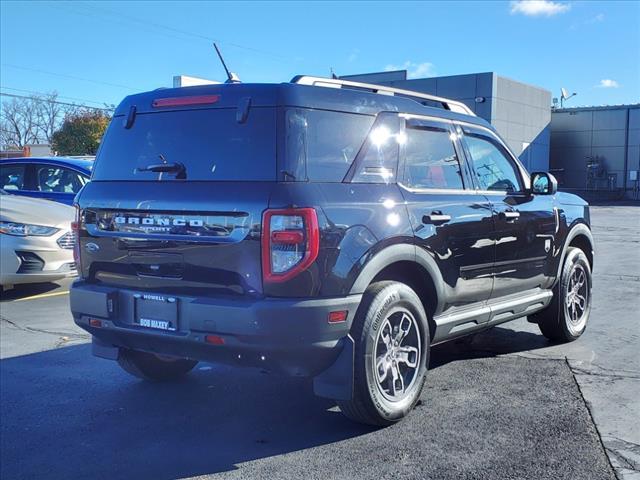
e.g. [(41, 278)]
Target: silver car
[(36, 241)]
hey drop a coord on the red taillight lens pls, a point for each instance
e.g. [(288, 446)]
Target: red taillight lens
[(290, 242)]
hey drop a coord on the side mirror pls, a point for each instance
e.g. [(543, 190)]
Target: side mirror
[(543, 183)]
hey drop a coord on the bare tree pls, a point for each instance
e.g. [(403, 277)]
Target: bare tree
[(49, 115), (34, 119), (19, 122)]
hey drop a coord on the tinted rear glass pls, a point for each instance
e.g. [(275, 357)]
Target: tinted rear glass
[(321, 145), (210, 143)]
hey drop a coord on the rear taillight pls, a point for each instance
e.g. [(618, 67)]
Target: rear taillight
[(75, 228), (290, 242)]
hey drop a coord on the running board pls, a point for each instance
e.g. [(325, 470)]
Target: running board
[(452, 325)]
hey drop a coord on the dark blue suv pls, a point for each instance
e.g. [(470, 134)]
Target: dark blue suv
[(320, 228)]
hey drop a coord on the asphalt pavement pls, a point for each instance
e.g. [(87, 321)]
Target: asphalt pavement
[(504, 404)]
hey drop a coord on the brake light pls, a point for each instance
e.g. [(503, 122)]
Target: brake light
[(75, 229), (182, 101), (290, 242)]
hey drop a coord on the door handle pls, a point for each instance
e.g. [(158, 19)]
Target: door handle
[(435, 218), (509, 215)]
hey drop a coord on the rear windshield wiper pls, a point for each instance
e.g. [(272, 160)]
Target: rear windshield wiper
[(176, 168)]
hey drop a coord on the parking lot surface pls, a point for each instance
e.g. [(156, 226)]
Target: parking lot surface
[(503, 404)]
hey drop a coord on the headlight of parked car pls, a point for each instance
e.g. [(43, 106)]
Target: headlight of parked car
[(23, 229)]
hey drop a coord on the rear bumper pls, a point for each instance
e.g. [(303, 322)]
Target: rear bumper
[(287, 335)]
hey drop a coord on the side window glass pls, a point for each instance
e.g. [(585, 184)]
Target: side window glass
[(60, 180), (379, 158), (431, 160), (12, 177), (326, 142), (495, 171)]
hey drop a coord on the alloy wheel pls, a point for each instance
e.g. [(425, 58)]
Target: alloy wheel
[(577, 299), (397, 354)]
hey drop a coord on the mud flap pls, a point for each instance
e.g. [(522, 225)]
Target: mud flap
[(336, 382), (104, 350)]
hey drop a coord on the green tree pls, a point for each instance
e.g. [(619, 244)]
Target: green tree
[(80, 133)]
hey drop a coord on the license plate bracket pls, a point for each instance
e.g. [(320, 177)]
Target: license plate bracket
[(156, 312)]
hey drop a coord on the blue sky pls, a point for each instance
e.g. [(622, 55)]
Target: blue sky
[(102, 51)]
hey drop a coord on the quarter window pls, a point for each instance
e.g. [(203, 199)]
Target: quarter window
[(431, 160), (493, 168), (321, 145), (379, 158)]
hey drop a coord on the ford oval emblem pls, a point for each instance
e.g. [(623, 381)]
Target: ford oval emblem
[(92, 247)]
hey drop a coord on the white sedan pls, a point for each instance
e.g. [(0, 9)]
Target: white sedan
[(36, 241)]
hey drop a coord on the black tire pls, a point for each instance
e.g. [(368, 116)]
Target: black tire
[(371, 404), (148, 366), (558, 321)]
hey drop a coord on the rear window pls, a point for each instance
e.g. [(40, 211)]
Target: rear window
[(210, 143), (321, 145)]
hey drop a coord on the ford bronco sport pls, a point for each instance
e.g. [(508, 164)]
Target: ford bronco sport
[(320, 228)]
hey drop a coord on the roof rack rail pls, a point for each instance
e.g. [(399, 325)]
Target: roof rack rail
[(447, 104)]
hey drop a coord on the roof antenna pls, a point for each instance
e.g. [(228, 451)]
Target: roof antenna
[(333, 74), (231, 77)]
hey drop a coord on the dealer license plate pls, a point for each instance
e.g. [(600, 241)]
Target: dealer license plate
[(159, 312)]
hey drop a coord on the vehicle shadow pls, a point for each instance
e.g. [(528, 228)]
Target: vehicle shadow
[(66, 414), (27, 290), (489, 343)]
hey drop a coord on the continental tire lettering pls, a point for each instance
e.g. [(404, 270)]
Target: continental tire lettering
[(380, 313)]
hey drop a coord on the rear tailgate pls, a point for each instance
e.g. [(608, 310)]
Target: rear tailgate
[(175, 237), (193, 228)]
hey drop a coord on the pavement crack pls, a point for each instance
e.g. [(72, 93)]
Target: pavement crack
[(606, 372), (42, 330), (624, 461), (624, 444), (609, 454), (618, 276)]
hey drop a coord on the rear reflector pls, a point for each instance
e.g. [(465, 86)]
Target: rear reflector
[(181, 101), (94, 322), (214, 340), (338, 317)]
